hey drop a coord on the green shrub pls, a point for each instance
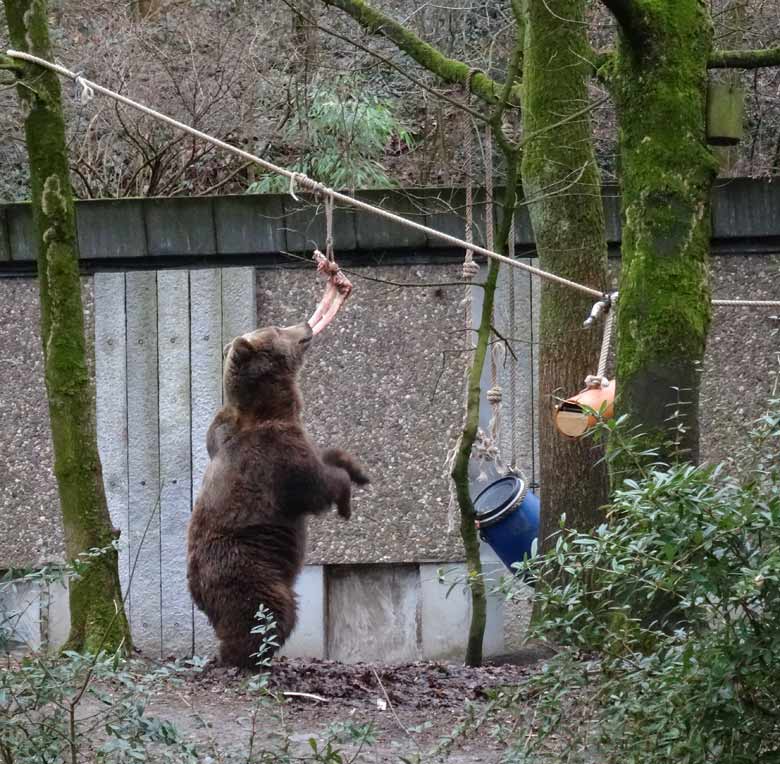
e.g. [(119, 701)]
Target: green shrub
[(340, 140), (669, 614)]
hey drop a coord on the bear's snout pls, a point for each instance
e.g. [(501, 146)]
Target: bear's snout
[(300, 334)]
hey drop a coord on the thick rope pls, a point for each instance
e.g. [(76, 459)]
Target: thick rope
[(747, 303), (514, 449), (495, 393), (605, 343), (599, 379), (299, 179), (87, 88), (329, 229)]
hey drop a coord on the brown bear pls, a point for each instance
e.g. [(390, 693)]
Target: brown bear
[(247, 534)]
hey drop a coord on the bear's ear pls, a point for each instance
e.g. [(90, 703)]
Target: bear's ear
[(242, 348)]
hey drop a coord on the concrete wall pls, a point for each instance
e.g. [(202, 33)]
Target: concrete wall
[(393, 612), (384, 381), (158, 351)]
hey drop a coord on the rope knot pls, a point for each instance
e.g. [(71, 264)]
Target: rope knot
[(303, 180), (594, 381), (84, 91), (325, 265), (494, 395), (470, 270)]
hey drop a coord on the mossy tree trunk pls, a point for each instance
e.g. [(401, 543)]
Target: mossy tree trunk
[(97, 612), (561, 178), (659, 81)]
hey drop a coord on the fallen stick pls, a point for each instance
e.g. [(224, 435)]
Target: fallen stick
[(305, 695)]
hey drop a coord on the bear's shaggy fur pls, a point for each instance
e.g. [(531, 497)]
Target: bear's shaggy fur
[(247, 534)]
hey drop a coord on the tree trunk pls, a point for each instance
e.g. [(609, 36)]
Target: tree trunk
[(97, 612), (659, 80), (561, 180), (305, 35)]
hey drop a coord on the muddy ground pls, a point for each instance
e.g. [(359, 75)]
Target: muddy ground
[(414, 710)]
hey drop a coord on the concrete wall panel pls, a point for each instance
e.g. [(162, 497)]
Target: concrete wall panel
[(446, 611), (374, 232), (180, 226), (239, 308), (21, 232), (20, 614), (304, 226), (144, 462), (5, 244), (111, 228), (373, 613), (308, 637), (249, 224), (173, 337), (111, 402)]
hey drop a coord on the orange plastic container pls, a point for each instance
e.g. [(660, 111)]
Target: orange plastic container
[(576, 415)]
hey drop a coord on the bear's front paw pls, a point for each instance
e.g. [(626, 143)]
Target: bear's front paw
[(344, 510), (357, 475), (338, 458)]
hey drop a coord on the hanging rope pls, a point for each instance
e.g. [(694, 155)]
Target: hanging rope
[(494, 394), (470, 268), (329, 228), (486, 445), (605, 306), (514, 448)]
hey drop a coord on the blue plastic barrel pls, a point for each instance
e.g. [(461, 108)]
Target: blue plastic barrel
[(508, 518)]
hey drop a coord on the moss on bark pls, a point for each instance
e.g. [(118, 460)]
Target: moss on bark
[(561, 178), (667, 175), (97, 613)]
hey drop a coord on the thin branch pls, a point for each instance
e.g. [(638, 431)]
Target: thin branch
[(387, 61), (430, 58), (503, 340), (512, 74), (744, 59), (220, 183), (564, 120)]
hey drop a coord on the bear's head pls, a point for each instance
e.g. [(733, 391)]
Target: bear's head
[(261, 370)]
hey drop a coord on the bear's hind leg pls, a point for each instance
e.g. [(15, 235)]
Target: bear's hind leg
[(239, 650), (241, 647)]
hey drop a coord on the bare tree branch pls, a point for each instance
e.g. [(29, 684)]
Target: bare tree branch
[(744, 59), (389, 62), (447, 69)]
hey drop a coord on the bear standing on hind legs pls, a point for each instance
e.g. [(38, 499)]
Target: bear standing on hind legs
[(247, 534)]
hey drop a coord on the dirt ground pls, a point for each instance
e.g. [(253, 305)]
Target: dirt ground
[(414, 709)]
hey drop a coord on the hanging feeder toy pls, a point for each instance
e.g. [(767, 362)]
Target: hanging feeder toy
[(507, 517), (576, 415)]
